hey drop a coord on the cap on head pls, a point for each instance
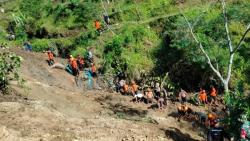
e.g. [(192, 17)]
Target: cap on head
[(71, 56)]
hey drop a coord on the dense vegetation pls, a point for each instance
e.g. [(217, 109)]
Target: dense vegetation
[(152, 39), (9, 65), (150, 36)]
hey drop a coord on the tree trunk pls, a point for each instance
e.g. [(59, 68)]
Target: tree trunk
[(226, 89)]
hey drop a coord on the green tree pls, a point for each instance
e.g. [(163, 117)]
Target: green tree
[(9, 65), (231, 49)]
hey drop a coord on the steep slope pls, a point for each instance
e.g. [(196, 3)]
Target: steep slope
[(56, 110)]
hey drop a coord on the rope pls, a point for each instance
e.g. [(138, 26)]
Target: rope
[(106, 14)]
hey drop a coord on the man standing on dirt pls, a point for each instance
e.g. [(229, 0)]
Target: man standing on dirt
[(134, 87), (74, 66), (160, 102), (157, 90), (149, 95), (183, 96), (213, 95), (80, 62), (90, 56), (203, 97), (94, 75)]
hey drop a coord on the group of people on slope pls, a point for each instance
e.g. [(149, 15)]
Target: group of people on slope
[(210, 120), (147, 94), (76, 65), (202, 96)]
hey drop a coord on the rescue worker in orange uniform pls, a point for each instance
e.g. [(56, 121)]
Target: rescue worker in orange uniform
[(134, 88), (211, 120), (98, 26), (80, 62), (203, 96), (213, 95), (126, 88), (74, 65)]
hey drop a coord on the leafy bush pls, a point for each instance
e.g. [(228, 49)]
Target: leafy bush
[(86, 38), (61, 12), (65, 43), (114, 47), (239, 107), (32, 7), (112, 54), (86, 11), (21, 33), (81, 12), (39, 45), (137, 34), (79, 51), (9, 65)]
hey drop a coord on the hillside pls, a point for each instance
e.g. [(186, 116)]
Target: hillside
[(146, 35), (55, 109), (189, 45)]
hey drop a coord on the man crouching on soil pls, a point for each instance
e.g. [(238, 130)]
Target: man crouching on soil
[(184, 111)]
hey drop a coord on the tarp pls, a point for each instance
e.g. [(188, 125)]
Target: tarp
[(58, 66)]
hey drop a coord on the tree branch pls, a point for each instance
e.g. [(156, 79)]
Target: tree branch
[(108, 17), (242, 39), (226, 26), (202, 49)]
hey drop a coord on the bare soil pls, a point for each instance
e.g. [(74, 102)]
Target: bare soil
[(53, 108)]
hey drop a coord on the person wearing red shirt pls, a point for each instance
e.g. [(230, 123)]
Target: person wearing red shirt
[(74, 65), (98, 26), (203, 96), (213, 95)]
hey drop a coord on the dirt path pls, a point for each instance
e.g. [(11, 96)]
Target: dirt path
[(57, 110)]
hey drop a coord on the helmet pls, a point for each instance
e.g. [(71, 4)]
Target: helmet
[(71, 56), (210, 116)]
